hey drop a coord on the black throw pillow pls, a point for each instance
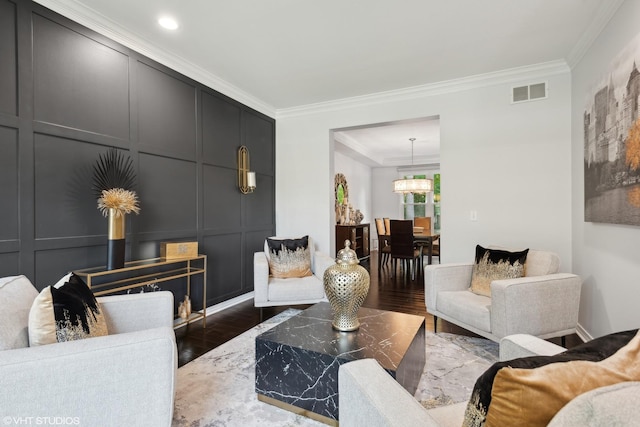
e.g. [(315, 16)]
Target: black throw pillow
[(66, 311)]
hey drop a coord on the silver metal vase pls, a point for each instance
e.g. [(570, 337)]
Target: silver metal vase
[(346, 285)]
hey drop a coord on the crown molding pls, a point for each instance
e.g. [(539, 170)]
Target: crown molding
[(603, 16), (510, 75), (91, 19), (356, 146)]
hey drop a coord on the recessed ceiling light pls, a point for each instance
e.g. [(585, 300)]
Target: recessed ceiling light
[(168, 22)]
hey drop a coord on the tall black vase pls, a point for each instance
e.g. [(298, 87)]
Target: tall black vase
[(116, 243)]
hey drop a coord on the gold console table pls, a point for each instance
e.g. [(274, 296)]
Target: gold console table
[(148, 271)]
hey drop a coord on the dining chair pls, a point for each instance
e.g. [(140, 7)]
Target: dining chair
[(424, 222), (384, 249), (403, 247), (435, 249)]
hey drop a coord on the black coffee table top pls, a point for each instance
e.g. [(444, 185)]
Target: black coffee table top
[(383, 335)]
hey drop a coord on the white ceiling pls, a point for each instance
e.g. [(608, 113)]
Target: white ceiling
[(389, 144), (290, 53)]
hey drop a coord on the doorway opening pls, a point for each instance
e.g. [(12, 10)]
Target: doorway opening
[(372, 156)]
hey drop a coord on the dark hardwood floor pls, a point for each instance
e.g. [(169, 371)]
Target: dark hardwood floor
[(398, 293)]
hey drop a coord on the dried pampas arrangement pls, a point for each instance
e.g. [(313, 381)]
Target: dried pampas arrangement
[(113, 179), (123, 201)]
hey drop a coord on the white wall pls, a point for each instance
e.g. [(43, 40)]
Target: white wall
[(386, 203), (606, 256), (508, 162)]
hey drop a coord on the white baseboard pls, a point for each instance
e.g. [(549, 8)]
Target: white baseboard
[(583, 334), (216, 308)]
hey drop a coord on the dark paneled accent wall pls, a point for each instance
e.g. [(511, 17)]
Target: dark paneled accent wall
[(67, 95)]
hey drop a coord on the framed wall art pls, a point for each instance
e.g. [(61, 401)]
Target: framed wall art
[(612, 142)]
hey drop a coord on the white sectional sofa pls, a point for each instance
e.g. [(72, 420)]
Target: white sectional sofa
[(126, 378), (370, 397)]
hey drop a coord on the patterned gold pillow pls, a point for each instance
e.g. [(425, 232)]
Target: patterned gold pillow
[(289, 257), (495, 264)]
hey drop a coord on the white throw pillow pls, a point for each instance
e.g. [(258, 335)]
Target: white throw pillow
[(18, 293)]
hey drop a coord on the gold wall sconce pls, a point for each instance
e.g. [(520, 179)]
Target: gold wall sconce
[(246, 178)]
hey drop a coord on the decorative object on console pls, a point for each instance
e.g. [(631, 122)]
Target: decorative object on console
[(113, 180), (246, 178), (288, 257), (184, 309), (412, 185), (150, 287), (177, 250), (346, 285), (495, 264), (66, 311), (358, 217)]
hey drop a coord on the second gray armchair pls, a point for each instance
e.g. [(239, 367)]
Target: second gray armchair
[(544, 303)]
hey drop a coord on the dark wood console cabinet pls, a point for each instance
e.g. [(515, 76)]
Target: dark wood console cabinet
[(358, 235)]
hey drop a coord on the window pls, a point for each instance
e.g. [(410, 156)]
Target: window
[(414, 205)]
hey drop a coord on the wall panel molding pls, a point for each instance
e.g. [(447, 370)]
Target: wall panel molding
[(79, 93)]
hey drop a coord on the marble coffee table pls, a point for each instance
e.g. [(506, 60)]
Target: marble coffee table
[(297, 361)]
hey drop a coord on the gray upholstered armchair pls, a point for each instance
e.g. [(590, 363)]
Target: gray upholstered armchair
[(270, 291), (544, 303), (124, 379)]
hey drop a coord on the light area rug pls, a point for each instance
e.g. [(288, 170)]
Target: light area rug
[(218, 388)]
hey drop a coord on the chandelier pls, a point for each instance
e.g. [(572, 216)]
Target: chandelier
[(412, 185)]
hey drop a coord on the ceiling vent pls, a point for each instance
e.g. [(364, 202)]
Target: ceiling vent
[(529, 92)]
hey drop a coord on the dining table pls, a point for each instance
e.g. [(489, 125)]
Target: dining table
[(423, 239)]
